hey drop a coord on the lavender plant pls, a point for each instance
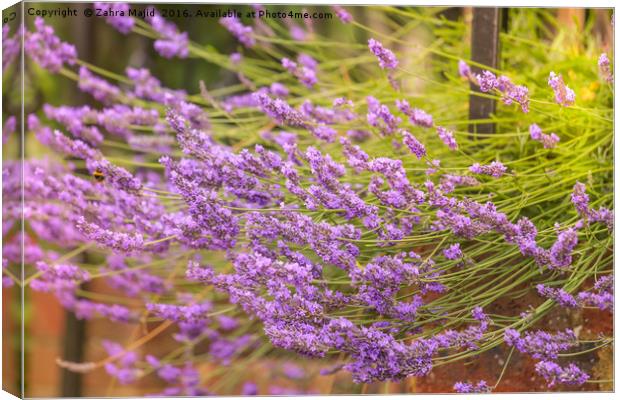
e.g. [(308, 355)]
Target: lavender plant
[(329, 205)]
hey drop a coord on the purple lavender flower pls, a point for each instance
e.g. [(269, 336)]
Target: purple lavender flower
[(117, 176), (75, 119), (116, 240), (447, 137), (305, 74), (290, 65), (236, 58), (355, 156), (46, 49), (513, 93), (604, 284), (324, 132), (603, 215), (293, 371), (396, 177), (604, 68), (535, 132), (9, 127), (97, 87), (464, 70), (414, 145), (196, 272), (407, 311), (564, 96), (124, 368), (496, 169), (601, 296), (342, 101), (554, 373), (468, 387), (416, 116), (342, 14), (249, 389), (59, 276), (275, 390), (11, 46), (379, 116), (7, 281), (118, 16), (297, 32), (227, 323), (279, 110), (243, 33), (169, 373), (453, 252), (307, 77), (172, 43), (132, 282), (189, 313), (449, 182), (487, 81), (603, 301), (548, 141), (580, 199), (560, 296), (307, 61), (148, 87), (387, 59), (541, 345), (433, 166), (561, 251)]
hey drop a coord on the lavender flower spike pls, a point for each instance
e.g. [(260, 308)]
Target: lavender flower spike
[(467, 387), (97, 87), (414, 145), (118, 16), (116, 240), (487, 81), (580, 199), (342, 14), (564, 95), (279, 110), (453, 252), (447, 137), (560, 296), (172, 42), (10, 125), (464, 70), (47, 49), (11, 46), (387, 59), (554, 374), (548, 141), (496, 169), (604, 68), (243, 33)]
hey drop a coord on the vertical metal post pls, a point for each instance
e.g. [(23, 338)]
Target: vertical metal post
[(486, 24), (73, 351), (75, 329)]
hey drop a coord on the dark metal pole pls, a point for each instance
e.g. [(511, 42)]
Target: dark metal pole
[(73, 351), (486, 25), (75, 329)]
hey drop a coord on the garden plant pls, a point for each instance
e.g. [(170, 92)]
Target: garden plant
[(328, 203)]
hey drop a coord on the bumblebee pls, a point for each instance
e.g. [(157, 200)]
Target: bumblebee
[(98, 175)]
